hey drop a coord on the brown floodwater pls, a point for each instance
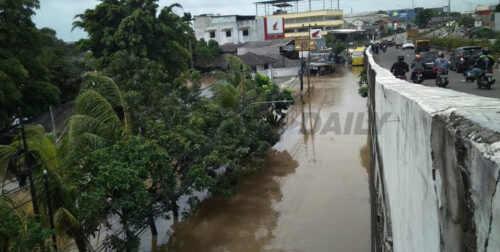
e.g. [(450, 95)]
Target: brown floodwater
[(312, 194)]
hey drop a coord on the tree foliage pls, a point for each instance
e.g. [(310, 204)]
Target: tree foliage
[(466, 21), (204, 50), (35, 67), (137, 28)]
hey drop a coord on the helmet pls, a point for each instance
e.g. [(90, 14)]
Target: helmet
[(441, 54), (401, 58), (485, 51), (418, 57)]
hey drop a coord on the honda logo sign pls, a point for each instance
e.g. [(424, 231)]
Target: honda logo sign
[(315, 34), (274, 28)]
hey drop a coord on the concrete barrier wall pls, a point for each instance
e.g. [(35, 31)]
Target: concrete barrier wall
[(435, 167)]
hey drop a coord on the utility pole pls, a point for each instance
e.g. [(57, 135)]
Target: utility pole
[(52, 119), (338, 4), (28, 168), (309, 64), (242, 86), (449, 19), (49, 203)]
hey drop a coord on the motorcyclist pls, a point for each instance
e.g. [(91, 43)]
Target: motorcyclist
[(469, 65), (417, 66), (400, 67), (485, 61), (441, 63)]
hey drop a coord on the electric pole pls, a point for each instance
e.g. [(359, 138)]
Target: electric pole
[(49, 203), (28, 168), (309, 64)]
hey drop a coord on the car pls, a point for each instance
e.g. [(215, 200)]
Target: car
[(428, 59), (461, 55), (408, 45)]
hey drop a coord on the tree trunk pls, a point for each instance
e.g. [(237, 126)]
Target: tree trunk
[(80, 242), (152, 224), (175, 210)]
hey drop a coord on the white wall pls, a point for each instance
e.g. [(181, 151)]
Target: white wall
[(220, 24), (438, 156)]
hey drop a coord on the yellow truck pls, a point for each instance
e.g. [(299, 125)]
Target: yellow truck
[(358, 56)]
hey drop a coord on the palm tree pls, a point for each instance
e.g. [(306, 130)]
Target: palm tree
[(102, 115), (51, 156)]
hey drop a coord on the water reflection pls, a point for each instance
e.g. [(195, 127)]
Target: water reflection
[(242, 223)]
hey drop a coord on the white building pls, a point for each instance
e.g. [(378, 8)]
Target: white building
[(234, 29)]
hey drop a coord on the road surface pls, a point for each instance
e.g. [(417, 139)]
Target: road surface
[(457, 81)]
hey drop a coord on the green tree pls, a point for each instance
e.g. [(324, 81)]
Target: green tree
[(136, 27), (23, 69), (137, 197), (466, 21), (424, 16), (102, 116), (204, 50), (52, 155), (339, 47), (19, 232)]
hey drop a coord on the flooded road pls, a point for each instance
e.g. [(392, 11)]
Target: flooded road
[(312, 194)]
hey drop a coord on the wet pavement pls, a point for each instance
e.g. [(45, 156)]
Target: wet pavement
[(312, 194)]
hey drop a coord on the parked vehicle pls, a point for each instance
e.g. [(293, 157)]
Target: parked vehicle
[(442, 79), (408, 45), (422, 46), (485, 79), (428, 59), (461, 55), (358, 56)]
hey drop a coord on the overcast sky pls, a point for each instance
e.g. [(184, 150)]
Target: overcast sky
[(59, 14)]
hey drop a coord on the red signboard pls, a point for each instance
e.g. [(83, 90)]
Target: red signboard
[(486, 12), (274, 28)]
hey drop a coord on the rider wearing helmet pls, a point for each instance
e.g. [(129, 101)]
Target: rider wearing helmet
[(417, 65), (442, 64), (485, 61), (400, 67)]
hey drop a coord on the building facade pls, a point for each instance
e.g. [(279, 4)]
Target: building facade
[(297, 24), (234, 29)]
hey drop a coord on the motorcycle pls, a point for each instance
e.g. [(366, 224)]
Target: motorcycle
[(470, 76), (418, 77), (401, 77), (485, 79), (442, 79), (384, 48)]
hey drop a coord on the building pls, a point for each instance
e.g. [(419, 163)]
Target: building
[(299, 15), (225, 29), (364, 20), (486, 15)]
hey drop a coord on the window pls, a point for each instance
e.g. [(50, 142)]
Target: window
[(228, 33), (212, 34), (245, 32)]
